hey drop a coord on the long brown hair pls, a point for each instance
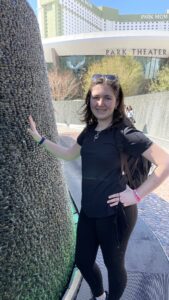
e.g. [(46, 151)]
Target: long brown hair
[(119, 112)]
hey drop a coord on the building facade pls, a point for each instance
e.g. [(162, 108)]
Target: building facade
[(67, 17), (77, 52)]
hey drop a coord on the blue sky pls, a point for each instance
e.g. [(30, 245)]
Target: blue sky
[(129, 6)]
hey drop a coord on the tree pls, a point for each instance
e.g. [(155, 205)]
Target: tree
[(64, 85), (37, 232), (161, 82), (128, 69)]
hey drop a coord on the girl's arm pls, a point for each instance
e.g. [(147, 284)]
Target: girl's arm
[(158, 157), (55, 149)]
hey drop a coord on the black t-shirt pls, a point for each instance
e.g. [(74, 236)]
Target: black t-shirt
[(101, 166)]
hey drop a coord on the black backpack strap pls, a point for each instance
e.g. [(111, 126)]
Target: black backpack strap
[(125, 167), (119, 146), (123, 157)]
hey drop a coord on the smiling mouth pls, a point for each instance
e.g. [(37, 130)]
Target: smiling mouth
[(101, 110)]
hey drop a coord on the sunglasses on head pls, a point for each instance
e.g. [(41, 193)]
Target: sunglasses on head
[(112, 77)]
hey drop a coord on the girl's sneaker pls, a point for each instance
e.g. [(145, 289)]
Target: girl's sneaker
[(107, 295)]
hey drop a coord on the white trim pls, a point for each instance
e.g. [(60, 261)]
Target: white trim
[(74, 285)]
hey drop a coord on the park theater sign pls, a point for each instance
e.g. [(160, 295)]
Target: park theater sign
[(137, 52)]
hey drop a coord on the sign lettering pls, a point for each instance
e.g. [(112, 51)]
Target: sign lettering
[(137, 52), (155, 17)]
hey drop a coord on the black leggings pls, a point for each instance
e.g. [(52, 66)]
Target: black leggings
[(112, 235)]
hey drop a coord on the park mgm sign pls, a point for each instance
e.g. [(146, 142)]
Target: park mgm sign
[(137, 52), (156, 17)]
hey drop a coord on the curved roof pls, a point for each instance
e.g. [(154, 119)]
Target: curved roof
[(143, 43)]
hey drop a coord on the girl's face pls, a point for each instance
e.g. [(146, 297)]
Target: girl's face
[(102, 102)]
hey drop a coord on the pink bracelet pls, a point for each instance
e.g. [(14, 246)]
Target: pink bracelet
[(138, 198)]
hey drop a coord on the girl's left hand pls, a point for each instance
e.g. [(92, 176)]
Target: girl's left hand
[(126, 197)]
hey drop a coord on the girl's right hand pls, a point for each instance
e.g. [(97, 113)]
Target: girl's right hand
[(33, 131)]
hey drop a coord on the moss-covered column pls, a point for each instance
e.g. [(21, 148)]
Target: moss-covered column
[(36, 228)]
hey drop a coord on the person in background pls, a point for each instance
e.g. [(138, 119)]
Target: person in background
[(104, 189), (130, 113)]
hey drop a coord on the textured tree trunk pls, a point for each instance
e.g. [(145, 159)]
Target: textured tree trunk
[(37, 233)]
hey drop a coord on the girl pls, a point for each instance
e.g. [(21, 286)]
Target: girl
[(109, 207)]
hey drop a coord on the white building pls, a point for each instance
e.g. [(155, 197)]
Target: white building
[(67, 17)]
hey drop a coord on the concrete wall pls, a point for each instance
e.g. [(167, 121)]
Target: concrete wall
[(68, 111), (151, 114)]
